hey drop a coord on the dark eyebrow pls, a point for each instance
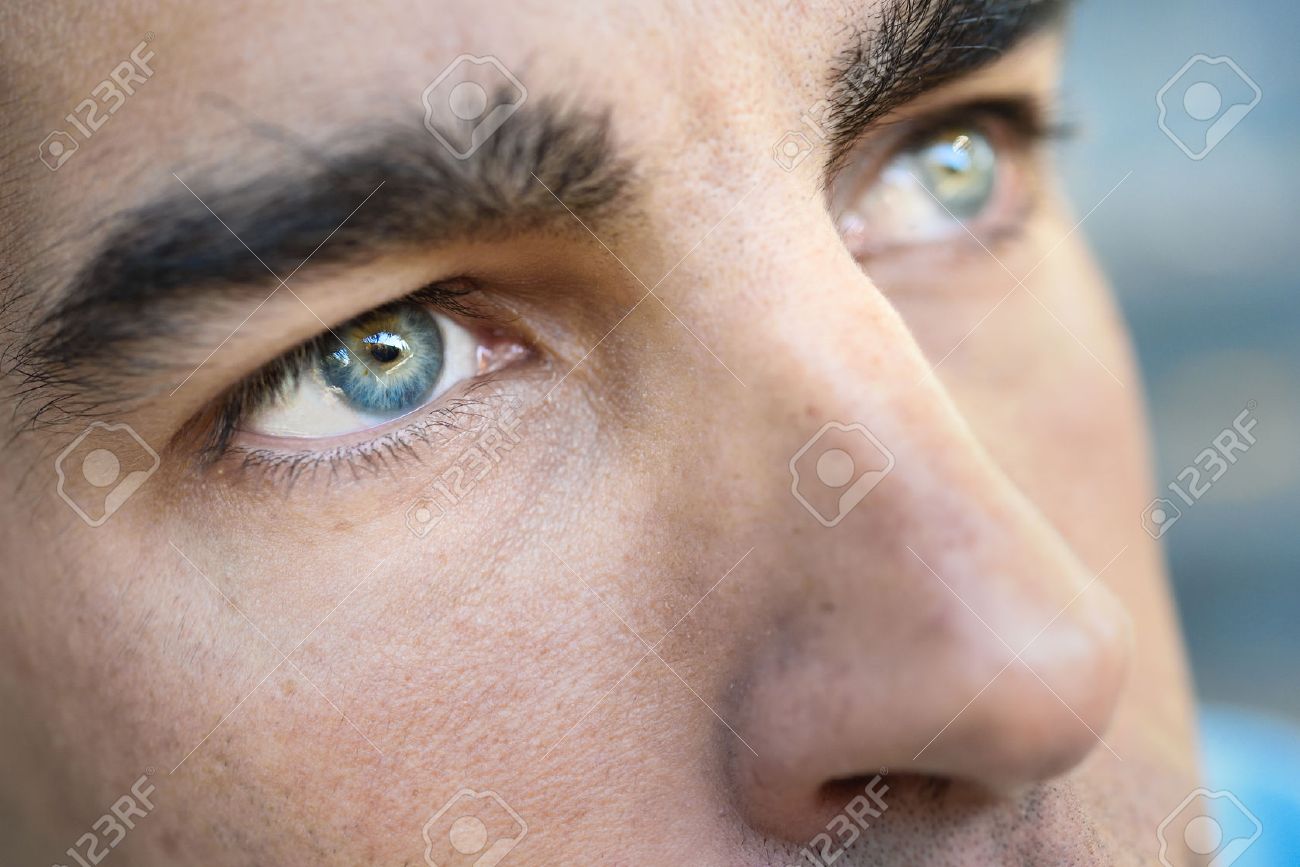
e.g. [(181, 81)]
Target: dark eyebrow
[(914, 46), (545, 164)]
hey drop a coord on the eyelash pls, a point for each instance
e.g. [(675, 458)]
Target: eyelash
[(1031, 120), (438, 422), (217, 429)]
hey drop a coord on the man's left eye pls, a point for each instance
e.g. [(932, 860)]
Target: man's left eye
[(958, 168), (933, 188), (378, 367)]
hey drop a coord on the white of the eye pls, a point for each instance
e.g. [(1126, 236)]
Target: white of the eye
[(898, 206), (315, 409)]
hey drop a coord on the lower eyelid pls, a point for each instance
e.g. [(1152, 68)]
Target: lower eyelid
[(430, 428)]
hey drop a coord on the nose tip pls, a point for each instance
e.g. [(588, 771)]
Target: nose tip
[(1044, 709), (950, 700)]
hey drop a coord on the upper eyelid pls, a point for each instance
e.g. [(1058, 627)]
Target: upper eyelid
[(1025, 114), (445, 294)]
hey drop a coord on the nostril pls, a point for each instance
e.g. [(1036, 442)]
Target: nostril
[(889, 786), (835, 794), (855, 805), (850, 804)]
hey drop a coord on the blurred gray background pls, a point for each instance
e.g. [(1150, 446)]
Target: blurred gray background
[(1203, 255)]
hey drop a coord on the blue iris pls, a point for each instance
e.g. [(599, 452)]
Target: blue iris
[(387, 361), (959, 169)]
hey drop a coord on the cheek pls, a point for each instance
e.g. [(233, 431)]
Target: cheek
[(409, 690), (471, 657), (1048, 384), (1041, 371)]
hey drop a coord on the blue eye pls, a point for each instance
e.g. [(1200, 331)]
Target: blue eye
[(959, 168), (386, 362), (379, 367), (935, 188)]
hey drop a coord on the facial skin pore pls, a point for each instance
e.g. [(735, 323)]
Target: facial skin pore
[(628, 627)]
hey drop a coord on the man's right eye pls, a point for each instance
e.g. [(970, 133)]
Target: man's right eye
[(377, 368), (391, 376)]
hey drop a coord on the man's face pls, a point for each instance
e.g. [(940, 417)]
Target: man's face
[(726, 413)]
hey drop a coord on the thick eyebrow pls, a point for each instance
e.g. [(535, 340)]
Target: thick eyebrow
[(914, 46), (545, 165)]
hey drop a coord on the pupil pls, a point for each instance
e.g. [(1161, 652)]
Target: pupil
[(385, 346), (384, 353)]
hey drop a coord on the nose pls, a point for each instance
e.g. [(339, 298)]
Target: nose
[(929, 621)]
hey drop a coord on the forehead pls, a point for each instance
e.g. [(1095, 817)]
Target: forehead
[(320, 65), (262, 80)]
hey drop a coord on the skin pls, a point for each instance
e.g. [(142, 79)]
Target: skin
[(501, 652)]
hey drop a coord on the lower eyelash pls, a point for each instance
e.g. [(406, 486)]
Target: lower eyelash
[(440, 426)]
